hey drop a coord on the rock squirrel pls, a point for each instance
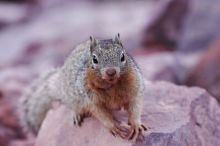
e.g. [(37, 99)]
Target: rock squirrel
[(97, 77)]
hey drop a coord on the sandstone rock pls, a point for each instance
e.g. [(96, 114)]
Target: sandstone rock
[(177, 115)]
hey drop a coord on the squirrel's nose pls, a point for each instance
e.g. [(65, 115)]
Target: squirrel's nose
[(111, 72)]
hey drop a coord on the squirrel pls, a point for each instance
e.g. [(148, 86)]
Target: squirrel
[(97, 77)]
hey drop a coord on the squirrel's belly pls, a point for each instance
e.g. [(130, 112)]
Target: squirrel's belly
[(115, 106)]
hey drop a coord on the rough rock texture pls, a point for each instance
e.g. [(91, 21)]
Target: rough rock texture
[(206, 73), (178, 116)]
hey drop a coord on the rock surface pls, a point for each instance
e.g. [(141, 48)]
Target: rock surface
[(206, 73), (177, 115)]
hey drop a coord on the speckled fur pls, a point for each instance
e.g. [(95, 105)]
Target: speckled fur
[(80, 87)]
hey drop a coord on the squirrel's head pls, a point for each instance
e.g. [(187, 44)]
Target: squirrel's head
[(108, 58)]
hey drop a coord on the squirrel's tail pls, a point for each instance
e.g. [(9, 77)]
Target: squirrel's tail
[(34, 105)]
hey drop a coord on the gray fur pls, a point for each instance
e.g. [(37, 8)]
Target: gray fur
[(67, 83)]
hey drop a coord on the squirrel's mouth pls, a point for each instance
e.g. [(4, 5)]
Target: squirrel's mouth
[(110, 80)]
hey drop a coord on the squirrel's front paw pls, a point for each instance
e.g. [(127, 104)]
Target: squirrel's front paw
[(120, 130), (78, 119), (137, 130)]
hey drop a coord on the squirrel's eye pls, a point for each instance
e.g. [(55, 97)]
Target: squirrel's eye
[(94, 59), (122, 57)]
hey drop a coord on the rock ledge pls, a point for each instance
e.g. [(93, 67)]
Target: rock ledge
[(177, 115)]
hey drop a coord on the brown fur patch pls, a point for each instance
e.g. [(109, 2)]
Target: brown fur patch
[(113, 96)]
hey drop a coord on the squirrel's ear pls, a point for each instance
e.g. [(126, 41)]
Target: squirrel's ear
[(117, 39), (93, 43)]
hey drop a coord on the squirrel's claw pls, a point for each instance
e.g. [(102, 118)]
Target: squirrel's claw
[(137, 130), (121, 131), (78, 120), (144, 128)]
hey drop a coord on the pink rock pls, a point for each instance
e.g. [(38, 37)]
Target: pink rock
[(177, 116), (92, 133)]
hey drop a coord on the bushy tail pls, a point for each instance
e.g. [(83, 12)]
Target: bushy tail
[(34, 105)]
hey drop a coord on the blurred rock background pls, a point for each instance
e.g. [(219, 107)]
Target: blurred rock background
[(171, 40)]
